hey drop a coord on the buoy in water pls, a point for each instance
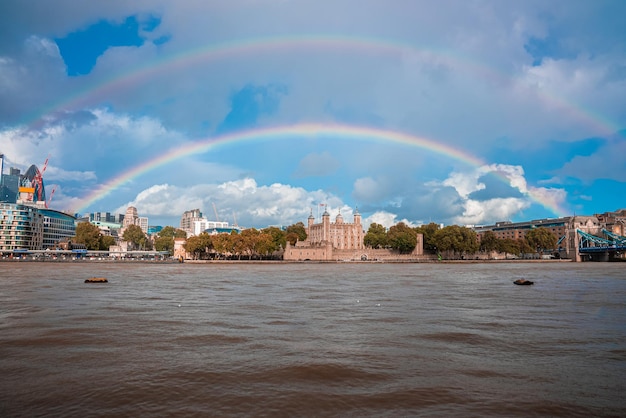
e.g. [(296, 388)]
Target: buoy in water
[(96, 280)]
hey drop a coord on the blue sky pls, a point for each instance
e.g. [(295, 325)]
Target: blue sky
[(531, 94)]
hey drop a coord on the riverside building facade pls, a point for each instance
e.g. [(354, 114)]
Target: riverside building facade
[(31, 227)]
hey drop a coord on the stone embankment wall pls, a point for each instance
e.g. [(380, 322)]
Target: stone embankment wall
[(303, 252)]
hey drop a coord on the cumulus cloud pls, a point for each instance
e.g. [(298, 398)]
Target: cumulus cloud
[(242, 200)]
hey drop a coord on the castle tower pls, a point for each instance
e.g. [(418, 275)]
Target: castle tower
[(326, 225), (310, 223), (357, 217)]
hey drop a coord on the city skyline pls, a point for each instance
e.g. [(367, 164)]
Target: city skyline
[(463, 113)]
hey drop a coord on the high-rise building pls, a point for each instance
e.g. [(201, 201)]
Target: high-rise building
[(21, 227), (9, 186), (32, 227), (142, 222), (188, 219)]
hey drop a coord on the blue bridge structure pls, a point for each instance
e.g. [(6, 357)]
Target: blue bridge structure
[(592, 247)]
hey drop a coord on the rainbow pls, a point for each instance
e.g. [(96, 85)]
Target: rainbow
[(89, 94), (347, 132)]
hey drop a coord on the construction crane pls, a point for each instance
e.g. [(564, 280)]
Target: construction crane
[(50, 198)]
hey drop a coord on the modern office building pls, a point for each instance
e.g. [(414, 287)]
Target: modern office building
[(57, 227), (9, 186), (213, 227), (21, 227), (32, 227)]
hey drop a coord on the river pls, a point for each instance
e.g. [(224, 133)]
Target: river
[(312, 339)]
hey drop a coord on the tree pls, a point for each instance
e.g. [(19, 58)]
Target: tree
[(489, 242), (456, 239), (199, 245), (165, 239), (298, 229), (376, 236), (135, 235), (223, 244), (194, 247), (171, 232), (541, 239), (164, 244), (401, 237), (428, 231), (106, 241), (249, 238), (279, 239), (238, 243), (509, 246), (265, 244), (88, 234)]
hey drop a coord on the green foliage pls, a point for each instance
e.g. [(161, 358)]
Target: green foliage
[(541, 239), (223, 244), (88, 234), (136, 236), (247, 241), (265, 244), (279, 239), (165, 239), (171, 232), (298, 229), (401, 237), (376, 236), (428, 231), (164, 244), (456, 239), (489, 242), (106, 241), (199, 245), (509, 246)]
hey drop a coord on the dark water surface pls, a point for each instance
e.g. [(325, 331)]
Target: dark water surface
[(312, 340)]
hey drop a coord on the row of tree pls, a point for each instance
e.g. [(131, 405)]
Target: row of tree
[(250, 243), (454, 240), (457, 241)]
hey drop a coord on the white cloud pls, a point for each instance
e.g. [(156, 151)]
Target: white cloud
[(491, 210), (244, 200), (385, 219)]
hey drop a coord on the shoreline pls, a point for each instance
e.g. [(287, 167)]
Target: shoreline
[(198, 262)]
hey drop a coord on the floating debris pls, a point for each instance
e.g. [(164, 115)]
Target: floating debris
[(96, 280)]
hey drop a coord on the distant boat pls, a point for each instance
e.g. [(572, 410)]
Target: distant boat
[(523, 282)]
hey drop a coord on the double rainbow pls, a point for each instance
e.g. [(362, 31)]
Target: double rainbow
[(335, 131)]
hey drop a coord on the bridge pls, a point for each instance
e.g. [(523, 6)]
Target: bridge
[(599, 248)]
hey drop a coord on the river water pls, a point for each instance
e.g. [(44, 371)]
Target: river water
[(344, 340)]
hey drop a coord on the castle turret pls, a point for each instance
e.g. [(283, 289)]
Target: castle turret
[(311, 221), (339, 218), (326, 225), (357, 216)]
